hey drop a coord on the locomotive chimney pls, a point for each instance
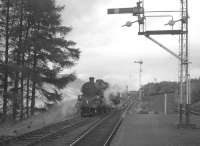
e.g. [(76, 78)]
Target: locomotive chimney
[(91, 79)]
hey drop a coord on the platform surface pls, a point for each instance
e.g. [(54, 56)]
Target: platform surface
[(155, 130)]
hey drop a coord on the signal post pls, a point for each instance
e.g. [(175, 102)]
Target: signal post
[(183, 56)]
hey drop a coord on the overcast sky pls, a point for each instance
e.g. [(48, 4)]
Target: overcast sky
[(108, 51)]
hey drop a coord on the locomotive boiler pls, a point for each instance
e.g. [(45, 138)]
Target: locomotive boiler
[(92, 101)]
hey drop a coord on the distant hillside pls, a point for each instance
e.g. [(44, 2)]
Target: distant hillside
[(154, 94), (156, 103)]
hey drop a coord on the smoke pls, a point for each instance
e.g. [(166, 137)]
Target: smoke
[(69, 107), (62, 110), (114, 90), (59, 112)]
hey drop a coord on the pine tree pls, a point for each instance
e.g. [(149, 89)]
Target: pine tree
[(35, 53), (49, 48), (5, 91)]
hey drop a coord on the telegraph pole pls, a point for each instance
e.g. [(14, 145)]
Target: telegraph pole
[(140, 78)]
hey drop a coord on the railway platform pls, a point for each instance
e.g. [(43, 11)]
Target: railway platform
[(155, 130)]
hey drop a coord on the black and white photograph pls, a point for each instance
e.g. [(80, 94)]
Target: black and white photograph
[(99, 73)]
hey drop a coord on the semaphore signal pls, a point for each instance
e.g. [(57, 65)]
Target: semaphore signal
[(183, 56)]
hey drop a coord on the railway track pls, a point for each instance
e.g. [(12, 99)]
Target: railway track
[(101, 133), (72, 137), (74, 132), (37, 136)]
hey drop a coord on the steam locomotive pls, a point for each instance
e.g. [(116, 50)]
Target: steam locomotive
[(92, 101)]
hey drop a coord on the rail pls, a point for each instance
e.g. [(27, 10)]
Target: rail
[(89, 130), (116, 127), (115, 119), (37, 136)]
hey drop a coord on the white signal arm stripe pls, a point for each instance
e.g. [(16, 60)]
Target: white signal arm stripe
[(116, 11)]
